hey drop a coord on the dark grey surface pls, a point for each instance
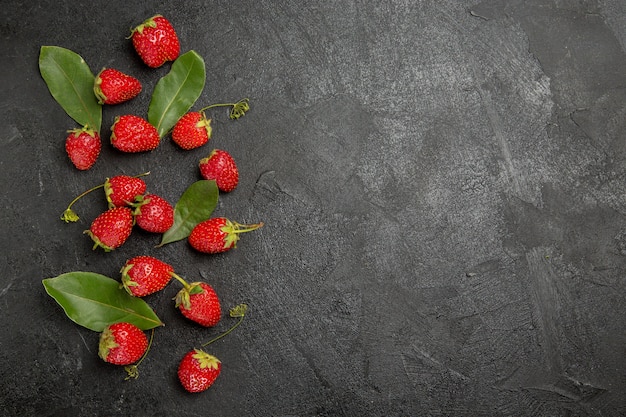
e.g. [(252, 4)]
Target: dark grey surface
[(443, 187)]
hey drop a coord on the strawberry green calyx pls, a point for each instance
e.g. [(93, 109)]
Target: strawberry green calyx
[(206, 360), (182, 297), (150, 23), (97, 243), (107, 342), (233, 229)]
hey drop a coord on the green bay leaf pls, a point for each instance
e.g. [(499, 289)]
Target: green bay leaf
[(95, 301), (194, 206), (176, 92), (70, 81)]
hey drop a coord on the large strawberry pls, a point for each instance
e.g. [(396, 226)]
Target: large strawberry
[(123, 190), (131, 133), (198, 302), (198, 370), (218, 234), (113, 87), (153, 213), (83, 147), (192, 130), (122, 343), (220, 166), (145, 275), (155, 41), (111, 229)]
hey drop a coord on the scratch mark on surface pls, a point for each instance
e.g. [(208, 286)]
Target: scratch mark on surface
[(6, 289), (546, 305), (435, 362), (84, 342)]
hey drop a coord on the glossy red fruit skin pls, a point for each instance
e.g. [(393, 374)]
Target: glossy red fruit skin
[(198, 370), (220, 166), (144, 275), (208, 236), (83, 148), (154, 214), (192, 130), (114, 87), (111, 228), (131, 133), (123, 190), (155, 41), (122, 344), (203, 308)]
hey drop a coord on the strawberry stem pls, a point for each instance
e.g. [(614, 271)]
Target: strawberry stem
[(132, 370), (70, 215), (242, 228), (237, 311), (238, 109), (181, 280)]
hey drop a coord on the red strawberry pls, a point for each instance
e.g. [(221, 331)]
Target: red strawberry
[(133, 134), (198, 302), (154, 214), (192, 130), (113, 87), (155, 41), (122, 344), (122, 190), (218, 234), (83, 147), (220, 166), (198, 370), (145, 275), (111, 229)]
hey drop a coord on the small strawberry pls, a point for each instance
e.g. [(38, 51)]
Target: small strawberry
[(120, 191), (192, 130), (113, 87), (155, 41), (123, 190), (220, 166), (218, 234), (83, 147), (153, 213), (145, 275), (111, 229), (133, 134), (122, 343), (198, 302), (198, 370)]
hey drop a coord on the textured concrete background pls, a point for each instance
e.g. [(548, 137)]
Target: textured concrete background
[(443, 188)]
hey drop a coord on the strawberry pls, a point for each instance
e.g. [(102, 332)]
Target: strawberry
[(83, 147), (153, 213), (122, 343), (218, 234), (198, 302), (113, 87), (155, 41), (220, 166), (111, 229), (192, 130), (198, 370), (145, 275), (133, 134), (123, 190)]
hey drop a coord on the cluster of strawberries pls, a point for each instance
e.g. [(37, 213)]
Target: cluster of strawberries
[(123, 343)]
